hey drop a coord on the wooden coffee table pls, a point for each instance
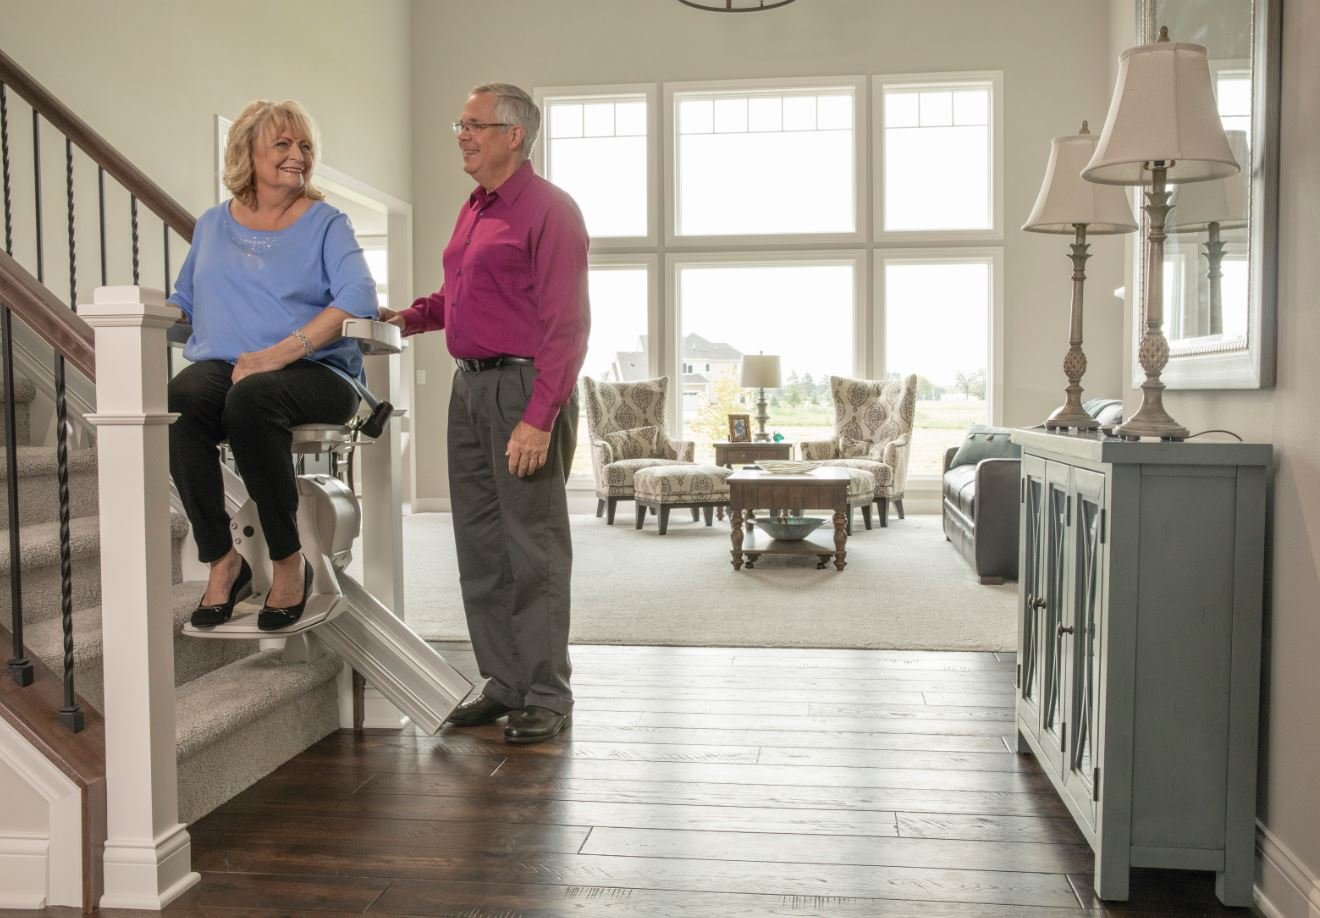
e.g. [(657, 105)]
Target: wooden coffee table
[(819, 489)]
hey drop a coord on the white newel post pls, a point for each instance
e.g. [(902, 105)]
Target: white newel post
[(148, 858)]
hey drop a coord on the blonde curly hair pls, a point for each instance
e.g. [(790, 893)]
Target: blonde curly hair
[(259, 119)]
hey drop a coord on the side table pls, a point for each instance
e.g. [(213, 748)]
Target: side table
[(731, 454)]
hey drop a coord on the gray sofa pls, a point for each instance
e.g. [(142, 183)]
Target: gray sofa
[(980, 491)]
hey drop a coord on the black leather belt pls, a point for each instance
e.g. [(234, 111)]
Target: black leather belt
[(476, 365)]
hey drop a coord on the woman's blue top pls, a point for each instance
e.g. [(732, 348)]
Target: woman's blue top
[(244, 290)]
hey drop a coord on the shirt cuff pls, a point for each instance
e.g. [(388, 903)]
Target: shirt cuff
[(542, 417)]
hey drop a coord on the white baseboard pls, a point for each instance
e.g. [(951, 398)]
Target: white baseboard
[(430, 505), (1285, 887), (24, 862)]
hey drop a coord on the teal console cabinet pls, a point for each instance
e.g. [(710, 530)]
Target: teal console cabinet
[(1141, 579)]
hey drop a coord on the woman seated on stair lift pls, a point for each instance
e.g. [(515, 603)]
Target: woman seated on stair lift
[(271, 276)]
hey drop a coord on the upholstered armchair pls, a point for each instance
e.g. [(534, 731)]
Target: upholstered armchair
[(626, 427), (872, 431)]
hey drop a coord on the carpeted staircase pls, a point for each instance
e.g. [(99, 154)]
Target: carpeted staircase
[(241, 712)]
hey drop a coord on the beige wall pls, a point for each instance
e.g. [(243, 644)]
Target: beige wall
[(151, 75), (1286, 417), (1055, 60)]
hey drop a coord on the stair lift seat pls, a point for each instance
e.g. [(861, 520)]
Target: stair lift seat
[(329, 517)]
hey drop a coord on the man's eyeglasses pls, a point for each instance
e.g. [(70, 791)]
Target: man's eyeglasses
[(471, 127)]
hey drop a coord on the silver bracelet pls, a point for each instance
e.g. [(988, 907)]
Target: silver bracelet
[(308, 350)]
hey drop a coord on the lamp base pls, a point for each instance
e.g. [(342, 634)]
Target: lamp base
[(761, 417), (1151, 420), (1071, 417)]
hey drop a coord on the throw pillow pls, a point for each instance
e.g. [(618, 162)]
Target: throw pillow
[(634, 443), (984, 442), (861, 449)]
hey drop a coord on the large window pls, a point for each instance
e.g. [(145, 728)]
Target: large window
[(597, 148), (728, 308), (766, 247), (619, 347), (761, 158), (937, 310), (937, 154)]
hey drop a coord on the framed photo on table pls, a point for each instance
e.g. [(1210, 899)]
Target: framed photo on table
[(740, 428)]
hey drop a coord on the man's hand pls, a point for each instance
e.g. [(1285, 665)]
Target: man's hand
[(251, 362), (527, 450), (390, 317)]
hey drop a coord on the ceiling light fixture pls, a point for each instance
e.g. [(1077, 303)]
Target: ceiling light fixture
[(735, 6)]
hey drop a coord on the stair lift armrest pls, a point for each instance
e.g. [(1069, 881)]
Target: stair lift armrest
[(374, 338), (179, 333)]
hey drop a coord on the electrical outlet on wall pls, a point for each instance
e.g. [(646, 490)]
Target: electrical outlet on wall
[(421, 377)]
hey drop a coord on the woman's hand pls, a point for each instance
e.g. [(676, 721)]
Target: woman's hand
[(251, 362), (390, 317)]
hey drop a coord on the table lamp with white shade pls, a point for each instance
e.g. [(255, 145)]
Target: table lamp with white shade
[(1069, 204), (1163, 127), (761, 372), (1209, 207)]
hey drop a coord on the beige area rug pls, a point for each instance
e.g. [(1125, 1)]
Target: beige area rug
[(904, 588)]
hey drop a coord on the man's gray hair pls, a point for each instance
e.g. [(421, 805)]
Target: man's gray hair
[(514, 106)]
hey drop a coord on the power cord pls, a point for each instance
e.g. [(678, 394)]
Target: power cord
[(1215, 430)]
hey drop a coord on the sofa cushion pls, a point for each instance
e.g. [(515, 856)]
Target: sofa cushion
[(983, 442)]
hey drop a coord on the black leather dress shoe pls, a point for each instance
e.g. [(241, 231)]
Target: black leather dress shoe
[(478, 712), (535, 724), (272, 618), (218, 614)]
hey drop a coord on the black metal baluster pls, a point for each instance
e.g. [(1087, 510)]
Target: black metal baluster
[(71, 714), (20, 667), (132, 209)]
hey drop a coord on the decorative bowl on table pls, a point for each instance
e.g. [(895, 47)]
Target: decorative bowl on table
[(788, 528), (786, 466)]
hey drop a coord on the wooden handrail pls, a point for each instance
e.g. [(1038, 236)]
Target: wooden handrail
[(96, 147), (54, 321)]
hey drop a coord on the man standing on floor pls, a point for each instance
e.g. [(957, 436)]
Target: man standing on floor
[(515, 313)]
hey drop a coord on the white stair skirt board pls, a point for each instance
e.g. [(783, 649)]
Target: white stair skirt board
[(41, 860)]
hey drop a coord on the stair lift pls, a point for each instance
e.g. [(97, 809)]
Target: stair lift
[(340, 612)]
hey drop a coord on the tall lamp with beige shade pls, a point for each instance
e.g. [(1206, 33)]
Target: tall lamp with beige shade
[(1163, 127), (1209, 207), (760, 372), (1069, 204)]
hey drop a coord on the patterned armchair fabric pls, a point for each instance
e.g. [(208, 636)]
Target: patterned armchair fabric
[(872, 431), (616, 407)]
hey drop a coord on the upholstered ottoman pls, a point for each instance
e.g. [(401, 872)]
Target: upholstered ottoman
[(662, 488)]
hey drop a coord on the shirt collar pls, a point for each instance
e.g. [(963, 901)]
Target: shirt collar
[(510, 191)]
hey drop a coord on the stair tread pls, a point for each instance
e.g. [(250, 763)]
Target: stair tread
[(42, 460), (217, 704), (40, 542), (45, 638), (24, 389)]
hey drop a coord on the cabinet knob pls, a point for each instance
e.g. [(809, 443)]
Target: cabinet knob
[(1036, 602), (1065, 629)]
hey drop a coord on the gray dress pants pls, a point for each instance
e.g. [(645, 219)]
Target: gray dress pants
[(515, 552)]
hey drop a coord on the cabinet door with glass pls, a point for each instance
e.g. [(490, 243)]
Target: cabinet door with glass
[(1031, 592), (1082, 646), (1058, 520)]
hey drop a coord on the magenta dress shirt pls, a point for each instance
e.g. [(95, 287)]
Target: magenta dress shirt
[(516, 285)]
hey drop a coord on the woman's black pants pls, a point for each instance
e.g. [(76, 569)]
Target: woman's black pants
[(255, 416)]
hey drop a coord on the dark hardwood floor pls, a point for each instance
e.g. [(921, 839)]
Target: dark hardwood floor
[(694, 781)]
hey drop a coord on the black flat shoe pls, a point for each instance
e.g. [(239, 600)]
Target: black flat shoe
[(479, 712), (272, 618), (218, 614), (535, 724)]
